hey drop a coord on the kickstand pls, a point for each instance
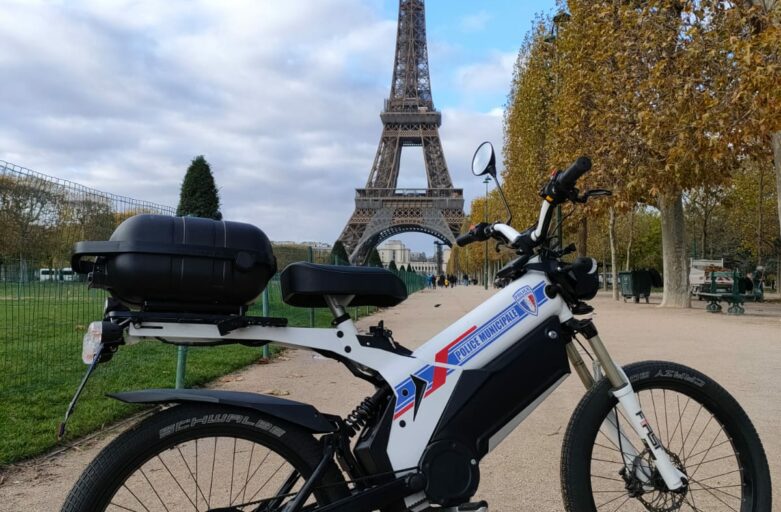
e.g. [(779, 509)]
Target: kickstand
[(72, 405)]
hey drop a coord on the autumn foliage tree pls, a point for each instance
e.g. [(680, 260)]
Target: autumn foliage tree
[(666, 96)]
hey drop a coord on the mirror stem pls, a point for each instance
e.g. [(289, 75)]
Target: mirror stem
[(504, 200)]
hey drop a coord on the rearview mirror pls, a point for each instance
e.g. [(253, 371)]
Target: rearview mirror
[(484, 161)]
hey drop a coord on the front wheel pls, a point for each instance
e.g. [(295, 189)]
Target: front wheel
[(704, 430), (203, 458)]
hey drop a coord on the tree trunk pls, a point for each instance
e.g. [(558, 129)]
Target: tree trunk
[(583, 237), (631, 237), (777, 160), (676, 279), (760, 207), (613, 252), (704, 236)]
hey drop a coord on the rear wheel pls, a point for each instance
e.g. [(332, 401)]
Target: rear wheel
[(704, 430), (204, 458)]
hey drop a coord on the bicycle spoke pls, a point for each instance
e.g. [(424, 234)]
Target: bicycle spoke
[(253, 474), (267, 481), (134, 496), (153, 489), (691, 427), (211, 478), (710, 447), (197, 487), (233, 466), (716, 446), (621, 504), (696, 443), (175, 480), (691, 490), (666, 424), (611, 501), (700, 436), (246, 480), (123, 508)]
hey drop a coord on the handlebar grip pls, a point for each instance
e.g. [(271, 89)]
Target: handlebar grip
[(569, 177), (466, 239)]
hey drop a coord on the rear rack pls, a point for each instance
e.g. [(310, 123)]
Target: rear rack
[(225, 323)]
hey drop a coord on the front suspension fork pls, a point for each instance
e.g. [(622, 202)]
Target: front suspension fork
[(629, 404)]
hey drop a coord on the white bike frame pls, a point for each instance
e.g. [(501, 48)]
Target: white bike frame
[(475, 340)]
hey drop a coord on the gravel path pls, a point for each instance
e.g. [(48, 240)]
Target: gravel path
[(742, 353)]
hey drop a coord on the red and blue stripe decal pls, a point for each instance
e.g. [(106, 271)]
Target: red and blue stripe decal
[(468, 344)]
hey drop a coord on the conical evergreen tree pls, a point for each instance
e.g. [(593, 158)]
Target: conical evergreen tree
[(199, 196), (339, 254), (374, 259), (392, 265)]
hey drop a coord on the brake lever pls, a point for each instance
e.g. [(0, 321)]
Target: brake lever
[(597, 192)]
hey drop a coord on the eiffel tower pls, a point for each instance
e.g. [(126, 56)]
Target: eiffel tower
[(409, 119)]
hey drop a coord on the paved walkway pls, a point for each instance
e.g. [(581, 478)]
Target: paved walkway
[(742, 353)]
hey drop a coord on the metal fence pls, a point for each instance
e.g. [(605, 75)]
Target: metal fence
[(45, 307)]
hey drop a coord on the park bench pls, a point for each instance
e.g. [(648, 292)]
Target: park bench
[(735, 298)]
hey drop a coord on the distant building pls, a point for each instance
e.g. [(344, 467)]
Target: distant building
[(313, 245), (394, 250), (424, 267), (317, 245), (445, 258)]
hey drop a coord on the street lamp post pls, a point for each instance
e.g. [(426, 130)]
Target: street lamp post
[(485, 219), (558, 20)]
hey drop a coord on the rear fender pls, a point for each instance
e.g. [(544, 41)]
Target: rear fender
[(303, 415)]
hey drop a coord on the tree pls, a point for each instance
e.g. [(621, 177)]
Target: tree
[(374, 259), (28, 214), (392, 266), (339, 254), (199, 196), (765, 24)]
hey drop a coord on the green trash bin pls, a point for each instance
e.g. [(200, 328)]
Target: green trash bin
[(635, 284)]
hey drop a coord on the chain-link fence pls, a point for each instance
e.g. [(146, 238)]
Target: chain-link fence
[(45, 306), (45, 309)]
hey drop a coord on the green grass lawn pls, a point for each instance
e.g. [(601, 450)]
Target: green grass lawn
[(41, 326)]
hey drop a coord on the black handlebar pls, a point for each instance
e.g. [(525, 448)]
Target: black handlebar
[(568, 178), (479, 233), (558, 190), (466, 239)]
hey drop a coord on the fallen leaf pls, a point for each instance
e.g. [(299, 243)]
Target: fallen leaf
[(276, 392)]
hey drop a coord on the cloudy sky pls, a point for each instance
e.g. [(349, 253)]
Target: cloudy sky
[(281, 96)]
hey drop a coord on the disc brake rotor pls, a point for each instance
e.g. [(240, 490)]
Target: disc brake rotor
[(658, 498)]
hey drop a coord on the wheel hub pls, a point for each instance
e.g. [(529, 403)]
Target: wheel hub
[(654, 494)]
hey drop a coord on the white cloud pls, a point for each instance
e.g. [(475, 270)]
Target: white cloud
[(281, 97), (492, 75), (475, 22), (462, 131)]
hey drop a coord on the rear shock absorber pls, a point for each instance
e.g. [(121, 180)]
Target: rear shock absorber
[(364, 412)]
